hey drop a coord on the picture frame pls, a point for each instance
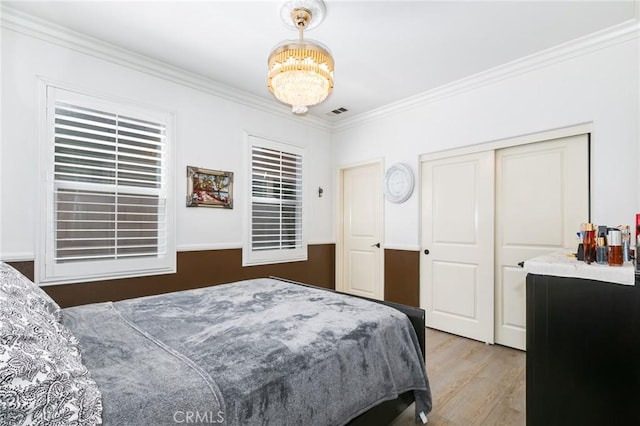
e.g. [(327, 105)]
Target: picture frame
[(209, 188)]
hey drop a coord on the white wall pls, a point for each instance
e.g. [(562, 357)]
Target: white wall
[(210, 133), (599, 86)]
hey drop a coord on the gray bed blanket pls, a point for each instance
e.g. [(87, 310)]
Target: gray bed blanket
[(256, 352)]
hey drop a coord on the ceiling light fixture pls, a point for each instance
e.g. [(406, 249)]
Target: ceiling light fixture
[(301, 71)]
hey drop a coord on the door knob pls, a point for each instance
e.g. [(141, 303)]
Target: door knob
[(426, 251), (375, 245)]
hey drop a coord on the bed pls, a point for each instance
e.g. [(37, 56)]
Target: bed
[(261, 351)]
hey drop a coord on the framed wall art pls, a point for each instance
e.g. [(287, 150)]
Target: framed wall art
[(209, 188)]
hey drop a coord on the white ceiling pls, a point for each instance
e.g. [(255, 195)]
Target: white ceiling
[(384, 51)]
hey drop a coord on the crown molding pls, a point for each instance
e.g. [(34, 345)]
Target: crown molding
[(32, 26), (585, 45)]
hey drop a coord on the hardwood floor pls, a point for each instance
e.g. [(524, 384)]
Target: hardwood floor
[(472, 383)]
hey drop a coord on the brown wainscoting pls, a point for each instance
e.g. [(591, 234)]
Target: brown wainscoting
[(402, 277), (195, 269), (25, 268)]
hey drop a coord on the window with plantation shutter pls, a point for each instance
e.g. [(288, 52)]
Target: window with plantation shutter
[(276, 231), (108, 211)]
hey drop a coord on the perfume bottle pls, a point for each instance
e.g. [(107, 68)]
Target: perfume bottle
[(626, 243), (589, 243), (615, 247), (637, 241), (637, 245), (601, 251)]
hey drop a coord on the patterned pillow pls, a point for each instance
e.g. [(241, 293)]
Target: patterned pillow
[(42, 378), (13, 282)]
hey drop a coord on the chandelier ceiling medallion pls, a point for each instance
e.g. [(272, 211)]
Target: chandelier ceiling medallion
[(301, 71)]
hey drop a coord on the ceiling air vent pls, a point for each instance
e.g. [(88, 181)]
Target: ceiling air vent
[(338, 111)]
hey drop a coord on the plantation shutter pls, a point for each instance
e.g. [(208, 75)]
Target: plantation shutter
[(276, 200), (108, 194), (276, 218), (108, 176)]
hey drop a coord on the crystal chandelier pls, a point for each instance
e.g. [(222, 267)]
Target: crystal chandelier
[(301, 71)]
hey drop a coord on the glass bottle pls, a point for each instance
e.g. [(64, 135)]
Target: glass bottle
[(638, 250), (601, 251), (615, 247), (580, 252), (589, 243), (626, 243)]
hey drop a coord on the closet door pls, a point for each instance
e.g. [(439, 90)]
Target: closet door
[(542, 196), (456, 267)]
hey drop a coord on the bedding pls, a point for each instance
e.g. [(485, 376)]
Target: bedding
[(42, 378), (259, 351), (14, 283)]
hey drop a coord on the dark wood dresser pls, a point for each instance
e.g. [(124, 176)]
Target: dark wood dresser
[(583, 351)]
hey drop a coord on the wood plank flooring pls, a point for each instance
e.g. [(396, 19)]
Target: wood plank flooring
[(472, 383)]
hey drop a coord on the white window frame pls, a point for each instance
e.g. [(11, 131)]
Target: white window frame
[(263, 257), (47, 270)]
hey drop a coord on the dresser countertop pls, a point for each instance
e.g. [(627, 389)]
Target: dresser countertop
[(564, 264)]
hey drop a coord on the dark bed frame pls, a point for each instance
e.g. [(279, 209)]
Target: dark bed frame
[(385, 412)]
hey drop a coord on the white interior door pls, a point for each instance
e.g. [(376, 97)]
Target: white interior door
[(362, 224), (456, 276), (542, 196)]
